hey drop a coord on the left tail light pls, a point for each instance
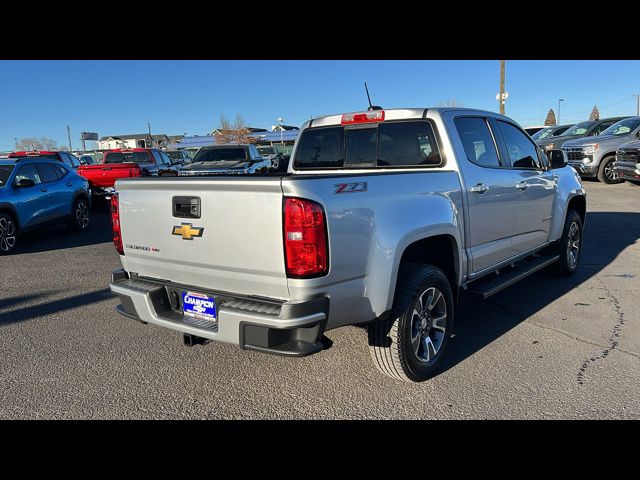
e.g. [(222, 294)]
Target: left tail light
[(115, 223), (305, 238)]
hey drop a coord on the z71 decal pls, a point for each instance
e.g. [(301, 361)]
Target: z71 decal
[(350, 187)]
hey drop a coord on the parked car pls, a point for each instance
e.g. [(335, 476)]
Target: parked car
[(627, 165), (550, 132), (179, 157), (279, 159), (383, 217), (121, 163), (67, 158), (36, 192), (534, 129), (227, 160), (595, 157), (589, 128)]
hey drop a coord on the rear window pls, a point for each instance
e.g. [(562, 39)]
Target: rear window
[(126, 157), (386, 145), (220, 154), (5, 173), (175, 155)]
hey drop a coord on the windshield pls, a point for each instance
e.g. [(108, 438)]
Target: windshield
[(544, 133), (622, 127), (119, 157), (578, 129), (175, 155), (220, 154), (5, 172), (266, 150)]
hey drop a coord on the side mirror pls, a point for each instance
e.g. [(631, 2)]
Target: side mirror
[(25, 183), (556, 159)]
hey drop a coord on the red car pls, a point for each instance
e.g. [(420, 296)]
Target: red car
[(122, 163)]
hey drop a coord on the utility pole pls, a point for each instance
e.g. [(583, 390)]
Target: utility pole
[(558, 116), (502, 97), (69, 136), (84, 148), (150, 137), (637, 95), (15, 140)]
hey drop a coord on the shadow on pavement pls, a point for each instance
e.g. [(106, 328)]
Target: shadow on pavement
[(606, 235), (58, 237), (48, 308)]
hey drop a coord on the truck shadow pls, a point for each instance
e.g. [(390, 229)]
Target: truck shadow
[(57, 237), (478, 323)]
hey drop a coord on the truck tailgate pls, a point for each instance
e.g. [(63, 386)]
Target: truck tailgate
[(105, 175), (235, 246)]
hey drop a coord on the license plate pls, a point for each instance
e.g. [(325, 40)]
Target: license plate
[(199, 305)]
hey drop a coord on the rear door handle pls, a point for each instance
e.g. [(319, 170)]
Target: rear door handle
[(479, 188), (522, 186), (69, 184), (43, 189)]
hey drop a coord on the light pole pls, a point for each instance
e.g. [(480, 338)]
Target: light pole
[(558, 116), (150, 137), (281, 120)]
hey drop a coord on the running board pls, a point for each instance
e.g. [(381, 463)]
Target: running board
[(508, 276)]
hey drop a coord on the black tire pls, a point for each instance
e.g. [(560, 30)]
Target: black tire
[(8, 234), (568, 264), (606, 173), (80, 215), (390, 340)]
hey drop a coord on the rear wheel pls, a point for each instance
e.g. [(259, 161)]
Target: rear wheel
[(79, 221), (606, 172), (8, 234), (410, 344)]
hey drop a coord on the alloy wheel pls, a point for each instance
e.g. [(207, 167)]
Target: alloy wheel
[(428, 324), (7, 234)]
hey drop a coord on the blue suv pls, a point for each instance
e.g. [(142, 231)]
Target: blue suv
[(38, 192)]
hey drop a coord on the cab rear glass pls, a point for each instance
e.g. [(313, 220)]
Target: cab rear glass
[(402, 144), (126, 157)]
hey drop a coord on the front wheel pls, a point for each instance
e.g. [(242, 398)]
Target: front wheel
[(8, 234), (410, 344), (606, 172), (570, 245)]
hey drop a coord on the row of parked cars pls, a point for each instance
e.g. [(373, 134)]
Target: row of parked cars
[(50, 187), (606, 149)]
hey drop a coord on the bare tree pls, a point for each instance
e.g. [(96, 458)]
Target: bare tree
[(42, 143), (451, 102), (236, 132)]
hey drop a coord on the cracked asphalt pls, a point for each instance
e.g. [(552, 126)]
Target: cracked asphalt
[(544, 348)]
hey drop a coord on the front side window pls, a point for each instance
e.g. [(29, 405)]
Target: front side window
[(477, 141), (622, 127), (579, 128), (522, 152), (28, 172), (165, 158), (544, 133)]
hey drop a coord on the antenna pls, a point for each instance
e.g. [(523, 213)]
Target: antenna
[(371, 107)]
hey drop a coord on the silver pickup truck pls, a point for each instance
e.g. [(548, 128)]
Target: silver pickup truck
[(382, 218)]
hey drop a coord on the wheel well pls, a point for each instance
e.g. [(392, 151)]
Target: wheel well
[(81, 195), (579, 204), (439, 251)]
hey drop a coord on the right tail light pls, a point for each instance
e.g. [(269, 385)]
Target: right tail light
[(305, 238)]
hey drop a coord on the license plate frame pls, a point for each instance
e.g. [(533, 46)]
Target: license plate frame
[(199, 305)]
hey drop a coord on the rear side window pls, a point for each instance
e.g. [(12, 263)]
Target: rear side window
[(392, 144), (321, 148), (119, 157), (60, 170), (47, 172), (477, 141), (522, 152), (28, 171)]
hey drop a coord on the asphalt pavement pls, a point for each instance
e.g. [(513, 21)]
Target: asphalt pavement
[(543, 348)]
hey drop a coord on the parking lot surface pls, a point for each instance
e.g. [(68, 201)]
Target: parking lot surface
[(543, 348)]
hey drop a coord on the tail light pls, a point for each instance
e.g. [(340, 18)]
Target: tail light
[(305, 238), (115, 223), (363, 117)]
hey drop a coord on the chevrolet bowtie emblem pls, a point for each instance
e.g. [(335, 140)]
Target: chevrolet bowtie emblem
[(187, 232)]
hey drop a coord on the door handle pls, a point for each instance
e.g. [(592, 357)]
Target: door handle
[(479, 188), (43, 189), (522, 186), (69, 184)]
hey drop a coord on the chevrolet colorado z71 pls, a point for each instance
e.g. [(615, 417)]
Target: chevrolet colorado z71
[(382, 218)]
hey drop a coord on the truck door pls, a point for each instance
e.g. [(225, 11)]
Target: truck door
[(535, 188), (488, 184)]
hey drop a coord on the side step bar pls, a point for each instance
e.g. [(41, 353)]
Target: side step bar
[(508, 276)]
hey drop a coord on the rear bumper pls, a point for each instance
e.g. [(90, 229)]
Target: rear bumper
[(106, 192), (292, 329)]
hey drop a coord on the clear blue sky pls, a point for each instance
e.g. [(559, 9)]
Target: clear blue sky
[(39, 98)]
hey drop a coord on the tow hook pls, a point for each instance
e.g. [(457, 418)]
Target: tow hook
[(192, 340)]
